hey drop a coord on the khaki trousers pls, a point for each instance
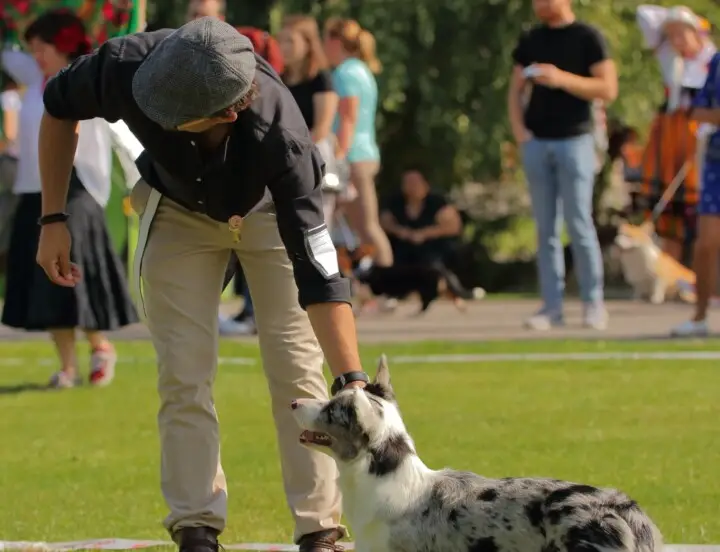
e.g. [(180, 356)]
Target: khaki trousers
[(182, 267)]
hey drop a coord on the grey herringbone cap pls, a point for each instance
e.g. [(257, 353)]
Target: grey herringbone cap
[(201, 68)]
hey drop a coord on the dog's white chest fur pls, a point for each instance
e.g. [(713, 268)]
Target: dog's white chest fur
[(639, 262)]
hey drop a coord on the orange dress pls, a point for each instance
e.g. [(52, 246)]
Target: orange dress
[(672, 144)]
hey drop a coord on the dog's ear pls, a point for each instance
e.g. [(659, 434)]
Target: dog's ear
[(382, 375), (380, 385)]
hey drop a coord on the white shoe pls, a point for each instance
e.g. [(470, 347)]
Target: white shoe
[(595, 317), (544, 320), (228, 326), (691, 328)]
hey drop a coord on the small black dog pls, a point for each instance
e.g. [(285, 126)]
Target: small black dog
[(430, 282)]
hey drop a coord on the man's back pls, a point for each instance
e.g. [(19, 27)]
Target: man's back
[(554, 113)]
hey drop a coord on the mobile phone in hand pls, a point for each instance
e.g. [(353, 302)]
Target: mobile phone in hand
[(532, 71)]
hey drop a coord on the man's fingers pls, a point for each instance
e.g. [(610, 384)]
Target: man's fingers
[(64, 265)]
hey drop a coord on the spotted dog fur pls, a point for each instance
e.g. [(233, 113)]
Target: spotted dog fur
[(397, 504)]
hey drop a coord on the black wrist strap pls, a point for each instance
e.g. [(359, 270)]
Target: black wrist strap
[(53, 218), (343, 379)]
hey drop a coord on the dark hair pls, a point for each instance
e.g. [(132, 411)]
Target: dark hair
[(64, 30), (243, 104)]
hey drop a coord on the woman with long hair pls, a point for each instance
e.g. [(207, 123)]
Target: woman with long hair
[(308, 78), (683, 48), (100, 301), (351, 51)]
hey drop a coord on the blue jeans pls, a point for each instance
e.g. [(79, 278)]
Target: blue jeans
[(248, 308), (560, 176)]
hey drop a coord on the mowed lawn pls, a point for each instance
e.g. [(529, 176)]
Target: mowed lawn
[(84, 463)]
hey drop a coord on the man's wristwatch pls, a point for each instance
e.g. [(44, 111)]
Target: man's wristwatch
[(343, 379), (53, 218)]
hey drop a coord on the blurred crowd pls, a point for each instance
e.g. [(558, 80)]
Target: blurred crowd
[(408, 242)]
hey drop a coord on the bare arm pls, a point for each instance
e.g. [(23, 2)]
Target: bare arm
[(390, 225), (10, 125), (56, 154), (515, 108), (602, 85), (706, 115), (325, 104), (334, 326), (348, 111), (447, 224)]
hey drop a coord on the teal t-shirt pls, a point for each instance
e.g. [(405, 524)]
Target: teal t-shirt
[(352, 78)]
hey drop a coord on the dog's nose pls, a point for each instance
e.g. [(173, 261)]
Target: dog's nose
[(294, 405)]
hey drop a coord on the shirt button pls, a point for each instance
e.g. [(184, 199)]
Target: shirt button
[(200, 202), (198, 180), (192, 143)]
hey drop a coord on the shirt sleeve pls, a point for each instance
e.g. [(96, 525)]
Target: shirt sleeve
[(520, 53), (87, 88), (322, 83), (709, 95), (348, 83), (21, 66), (597, 49), (297, 195)]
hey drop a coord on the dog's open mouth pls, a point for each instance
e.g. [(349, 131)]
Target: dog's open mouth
[(315, 438)]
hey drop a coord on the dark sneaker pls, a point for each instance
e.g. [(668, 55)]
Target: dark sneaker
[(321, 541), (197, 539)]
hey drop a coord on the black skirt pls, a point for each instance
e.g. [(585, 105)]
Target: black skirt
[(99, 302)]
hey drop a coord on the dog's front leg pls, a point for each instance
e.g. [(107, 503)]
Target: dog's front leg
[(659, 289)]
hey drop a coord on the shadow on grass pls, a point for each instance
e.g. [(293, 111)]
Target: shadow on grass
[(24, 388)]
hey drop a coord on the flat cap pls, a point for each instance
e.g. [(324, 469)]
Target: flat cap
[(198, 70)]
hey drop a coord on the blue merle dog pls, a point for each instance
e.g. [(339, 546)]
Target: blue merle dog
[(395, 503)]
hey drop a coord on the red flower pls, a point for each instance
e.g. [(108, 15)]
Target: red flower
[(108, 11), (70, 40), (22, 6)]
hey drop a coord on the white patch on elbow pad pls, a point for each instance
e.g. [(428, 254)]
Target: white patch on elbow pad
[(321, 251)]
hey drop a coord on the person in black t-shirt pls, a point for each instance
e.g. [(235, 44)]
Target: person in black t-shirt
[(562, 65), (309, 80), (307, 75), (421, 224)]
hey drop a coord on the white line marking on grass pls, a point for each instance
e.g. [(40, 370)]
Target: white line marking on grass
[(554, 357), (128, 544), (437, 359)]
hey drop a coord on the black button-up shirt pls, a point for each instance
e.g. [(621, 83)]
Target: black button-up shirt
[(269, 147)]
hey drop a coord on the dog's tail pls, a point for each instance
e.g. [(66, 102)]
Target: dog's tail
[(641, 534)]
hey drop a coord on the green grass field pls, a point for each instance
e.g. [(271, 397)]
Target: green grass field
[(84, 463)]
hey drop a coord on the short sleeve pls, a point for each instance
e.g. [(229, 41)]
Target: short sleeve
[(597, 49), (709, 95), (434, 203), (347, 82), (521, 52), (10, 101), (322, 82)]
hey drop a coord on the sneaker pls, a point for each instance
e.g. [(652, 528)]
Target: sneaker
[(544, 320), (61, 380), (229, 326), (691, 328), (102, 365), (595, 317), (197, 539)]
